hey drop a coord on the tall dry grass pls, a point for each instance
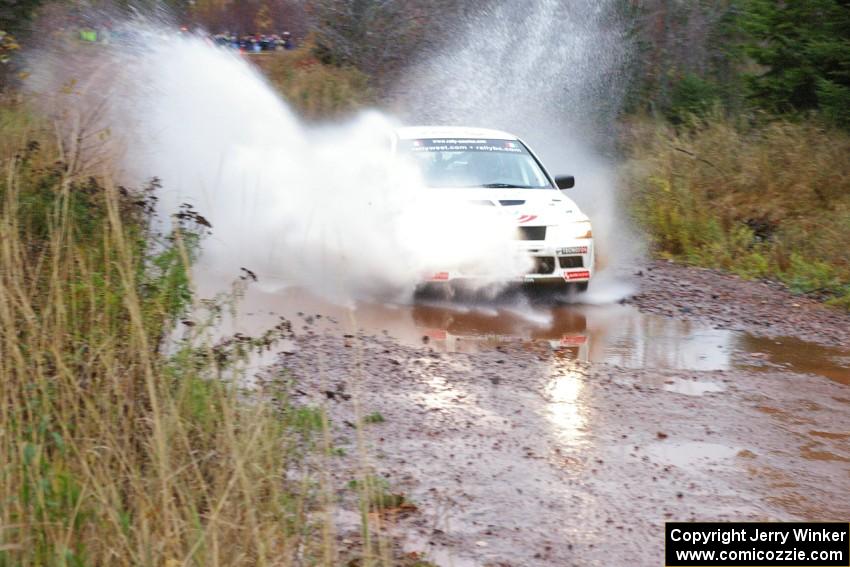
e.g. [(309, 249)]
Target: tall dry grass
[(112, 452), (122, 441), (762, 200)]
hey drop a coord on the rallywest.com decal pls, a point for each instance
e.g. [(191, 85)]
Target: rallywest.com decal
[(463, 145)]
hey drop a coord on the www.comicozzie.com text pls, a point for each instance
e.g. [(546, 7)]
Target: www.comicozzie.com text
[(757, 534)]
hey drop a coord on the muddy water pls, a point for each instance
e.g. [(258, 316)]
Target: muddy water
[(678, 421), (615, 334)]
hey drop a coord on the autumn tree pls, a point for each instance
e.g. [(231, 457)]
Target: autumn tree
[(250, 16), (683, 55)]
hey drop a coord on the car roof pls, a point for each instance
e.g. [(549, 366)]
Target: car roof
[(424, 132)]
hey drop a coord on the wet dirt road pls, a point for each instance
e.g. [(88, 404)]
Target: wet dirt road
[(566, 435)]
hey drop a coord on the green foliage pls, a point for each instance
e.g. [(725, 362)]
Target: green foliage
[(15, 19), (8, 46), (782, 57), (684, 56), (115, 450), (763, 201), (692, 96), (805, 275), (804, 51), (15, 15), (307, 419), (374, 417), (377, 493)]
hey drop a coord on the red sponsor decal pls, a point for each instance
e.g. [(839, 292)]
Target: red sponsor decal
[(583, 275), (526, 218), (573, 340), (440, 276)]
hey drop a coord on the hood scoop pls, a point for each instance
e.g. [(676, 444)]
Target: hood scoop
[(511, 202), (484, 202)]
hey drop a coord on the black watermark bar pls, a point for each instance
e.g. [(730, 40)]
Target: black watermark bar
[(757, 544)]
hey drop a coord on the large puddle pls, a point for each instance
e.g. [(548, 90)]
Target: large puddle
[(615, 334), (564, 439)]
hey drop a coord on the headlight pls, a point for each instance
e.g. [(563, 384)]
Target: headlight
[(569, 231), (582, 230)]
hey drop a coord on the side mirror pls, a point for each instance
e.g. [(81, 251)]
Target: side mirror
[(565, 181)]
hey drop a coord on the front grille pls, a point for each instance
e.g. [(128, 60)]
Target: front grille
[(543, 265), (571, 261), (532, 233)]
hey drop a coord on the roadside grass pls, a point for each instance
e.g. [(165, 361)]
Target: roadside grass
[(762, 200), (126, 435), (316, 90), (374, 417), (113, 451)]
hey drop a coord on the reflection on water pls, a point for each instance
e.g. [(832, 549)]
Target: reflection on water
[(693, 387), (565, 408), (616, 334), (638, 340), (439, 394), (796, 355), (690, 453), (613, 334)]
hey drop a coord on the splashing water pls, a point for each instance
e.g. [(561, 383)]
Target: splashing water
[(550, 72), (328, 209)]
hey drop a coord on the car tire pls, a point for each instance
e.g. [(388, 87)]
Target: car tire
[(433, 291)]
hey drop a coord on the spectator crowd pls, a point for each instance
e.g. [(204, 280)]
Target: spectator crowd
[(248, 43), (254, 43)]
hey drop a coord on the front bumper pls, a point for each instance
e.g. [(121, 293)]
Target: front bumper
[(554, 262)]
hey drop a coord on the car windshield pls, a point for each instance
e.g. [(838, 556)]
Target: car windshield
[(501, 164)]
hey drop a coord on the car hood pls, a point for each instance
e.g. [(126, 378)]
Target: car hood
[(529, 206)]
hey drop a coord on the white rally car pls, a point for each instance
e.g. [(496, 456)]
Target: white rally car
[(494, 168)]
